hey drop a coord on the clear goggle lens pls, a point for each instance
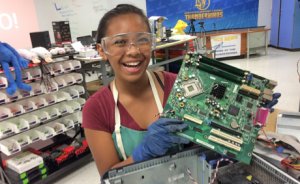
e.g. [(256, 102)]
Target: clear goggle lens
[(120, 43)]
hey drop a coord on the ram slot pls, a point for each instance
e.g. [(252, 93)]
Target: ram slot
[(221, 73), (223, 66), (226, 136), (224, 143)]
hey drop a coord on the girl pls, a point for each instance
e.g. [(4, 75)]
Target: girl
[(121, 120)]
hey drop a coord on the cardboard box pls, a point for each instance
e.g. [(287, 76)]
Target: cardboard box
[(271, 123)]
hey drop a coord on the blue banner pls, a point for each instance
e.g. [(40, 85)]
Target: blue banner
[(216, 14)]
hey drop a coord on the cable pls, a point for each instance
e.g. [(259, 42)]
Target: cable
[(46, 78), (74, 137), (271, 144), (193, 180), (4, 177), (291, 162), (217, 168)]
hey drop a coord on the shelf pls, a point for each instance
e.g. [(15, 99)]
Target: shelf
[(36, 102), (33, 65), (54, 69), (64, 55), (67, 169), (23, 123), (53, 108), (16, 143)]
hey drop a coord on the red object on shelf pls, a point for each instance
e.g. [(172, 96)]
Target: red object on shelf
[(4, 163), (176, 52), (83, 148), (191, 45), (66, 153), (30, 65)]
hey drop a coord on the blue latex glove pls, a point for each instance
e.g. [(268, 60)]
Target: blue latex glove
[(274, 101), (159, 138)]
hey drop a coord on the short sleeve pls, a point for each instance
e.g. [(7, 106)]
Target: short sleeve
[(97, 111)]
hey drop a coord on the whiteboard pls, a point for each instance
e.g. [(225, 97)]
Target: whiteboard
[(84, 16)]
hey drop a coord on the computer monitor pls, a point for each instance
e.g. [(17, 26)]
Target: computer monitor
[(86, 40), (40, 39)]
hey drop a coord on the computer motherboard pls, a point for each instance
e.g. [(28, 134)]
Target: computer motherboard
[(222, 105)]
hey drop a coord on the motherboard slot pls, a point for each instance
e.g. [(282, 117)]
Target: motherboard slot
[(255, 97), (223, 66), (224, 143), (251, 90), (197, 129), (221, 73), (268, 91), (259, 77), (225, 129), (226, 136), (192, 119), (267, 98), (271, 84)]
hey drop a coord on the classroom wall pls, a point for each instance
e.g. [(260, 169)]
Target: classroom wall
[(17, 21), (83, 16), (264, 13), (37, 15)]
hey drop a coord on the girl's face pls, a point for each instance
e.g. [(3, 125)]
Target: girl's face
[(128, 54)]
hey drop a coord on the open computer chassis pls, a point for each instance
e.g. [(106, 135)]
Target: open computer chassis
[(197, 165)]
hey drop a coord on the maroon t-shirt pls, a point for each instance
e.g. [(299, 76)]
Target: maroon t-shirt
[(99, 110)]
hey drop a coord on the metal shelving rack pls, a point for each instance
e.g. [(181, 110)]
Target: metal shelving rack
[(70, 98)]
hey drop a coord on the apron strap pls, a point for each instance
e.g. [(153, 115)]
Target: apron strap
[(159, 81), (118, 122), (155, 93), (117, 112)]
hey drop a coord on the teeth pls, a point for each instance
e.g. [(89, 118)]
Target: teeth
[(133, 64)]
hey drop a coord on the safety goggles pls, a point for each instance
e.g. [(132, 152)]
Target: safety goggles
[(119, 44)]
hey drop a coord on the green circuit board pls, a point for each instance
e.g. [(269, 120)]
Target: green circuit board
[(221, 104)]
